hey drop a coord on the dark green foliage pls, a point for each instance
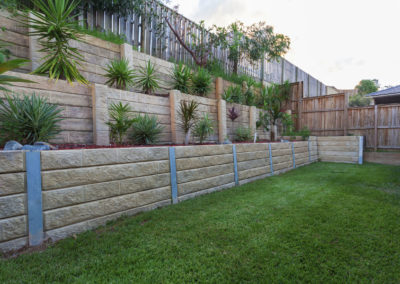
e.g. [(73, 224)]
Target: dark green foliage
[(146, 130), (28, 119), (321, 223), (359, 100), (188, 117), (181, 77), (147, 79), (233, 94), (4, 52), (53, 24), (120, 121), (243, 134), (367, 87), (119, 74), (204, 128), (7, 80), (305, 133), (201, 82), (104, 35), (288, 123)]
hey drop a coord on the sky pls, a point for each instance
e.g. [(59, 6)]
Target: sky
[(338, 42)]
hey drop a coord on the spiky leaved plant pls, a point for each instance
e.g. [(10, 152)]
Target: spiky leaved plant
[(188, 117), (146, 130), (181, 77), (7, 80), (147, 79), (233, 114), (120, 121), (119, 74), (201, 82), (53, 23), (204, 128)]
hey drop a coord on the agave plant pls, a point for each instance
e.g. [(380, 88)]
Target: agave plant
[(201, 82), (120, 121), (52, 23), (119, 74), (28, 119), (188, 114), (8, 66), (147, 79), (204, 128), (146, 130), (181, 78)]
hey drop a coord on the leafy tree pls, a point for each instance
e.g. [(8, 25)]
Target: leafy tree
[(367, 87)]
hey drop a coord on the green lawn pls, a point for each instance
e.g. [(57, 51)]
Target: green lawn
[(321, 223)]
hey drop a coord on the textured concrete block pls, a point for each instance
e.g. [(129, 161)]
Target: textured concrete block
[(282, 159), (247, 165), (199, 185), (12, 205), (13, 228), (12, 161), (200, 162), (133, 155), (12, 183), (144, 183), (198, 151), (246, 156), (62, 159), (251, 147), (250, 173), (202, 173), (97, 157)]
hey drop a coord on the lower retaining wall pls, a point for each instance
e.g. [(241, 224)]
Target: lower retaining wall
[(83, 189), (343, 149)]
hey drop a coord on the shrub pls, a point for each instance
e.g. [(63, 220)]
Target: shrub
[(147, 79), (305, 133), (146, 130), (53, 24), (233, 114), (204, 128), (121, 122), (359, 101), (201, 82), (104, 35), (181, 78), (188, 117), (29, 119), (119, 74), (233, 95), (243, 134)]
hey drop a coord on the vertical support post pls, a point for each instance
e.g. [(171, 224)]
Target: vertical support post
[(219, 88), (127, 53), (345, 114), (172, 167), (300, 113), (253, 120), (293, 155), (101, 132), (222, 132), (360, 150), (271, 165), (174, 100), (235, 167), (34, 195), (375, 128), (309, 150)]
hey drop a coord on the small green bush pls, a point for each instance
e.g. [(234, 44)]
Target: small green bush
[(120, 121), (201, 82), (147, 79), (204, 128), (243, 134), (359, 101), (233, 94), (104, 35), (146, 130), (188, 117), (119, 74), (305, 132), (28, 120), (181, 77)]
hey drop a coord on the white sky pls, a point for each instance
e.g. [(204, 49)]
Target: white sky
[(338, 42)]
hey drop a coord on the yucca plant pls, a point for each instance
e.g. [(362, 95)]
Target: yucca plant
[(201, 82), (181, 78), (29, 119), (146, 130), (147, 79), (120, 121), (6, 80), (119, 74), (53, 23), (188, 117), (204, 128)]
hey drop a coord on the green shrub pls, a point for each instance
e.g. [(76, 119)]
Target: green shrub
[(359, 101), (243, 134), (181, 77), (233, 94), (119, 74), (104, 35), (146, 130), (305, 133), (53, 24), (147, 79), (120, 121), (201, 82), (204, 128), (188, 117), (29, 119)]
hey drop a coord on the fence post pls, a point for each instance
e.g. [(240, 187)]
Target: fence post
[(270, 159), (375, 128), (360, 150), (222, 132), (235, 167), (172, 166), (345, 114), (34, 196)]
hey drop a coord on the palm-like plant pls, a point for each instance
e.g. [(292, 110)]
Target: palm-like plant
[(8, 66), (188, 114), (52, 23), (204, 128), (181, 78), (29, 119), (147, 79), (119, 74), (121, 121), (201, 82), (146, 130)]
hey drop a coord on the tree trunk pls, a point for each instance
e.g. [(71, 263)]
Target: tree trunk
[(187, 137)]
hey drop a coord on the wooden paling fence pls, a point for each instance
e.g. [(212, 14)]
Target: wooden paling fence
[(331, 116)]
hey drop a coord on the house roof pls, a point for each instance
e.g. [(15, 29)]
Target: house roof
[(387, 92)]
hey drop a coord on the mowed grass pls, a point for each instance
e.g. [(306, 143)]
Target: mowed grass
[(320, 223)]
